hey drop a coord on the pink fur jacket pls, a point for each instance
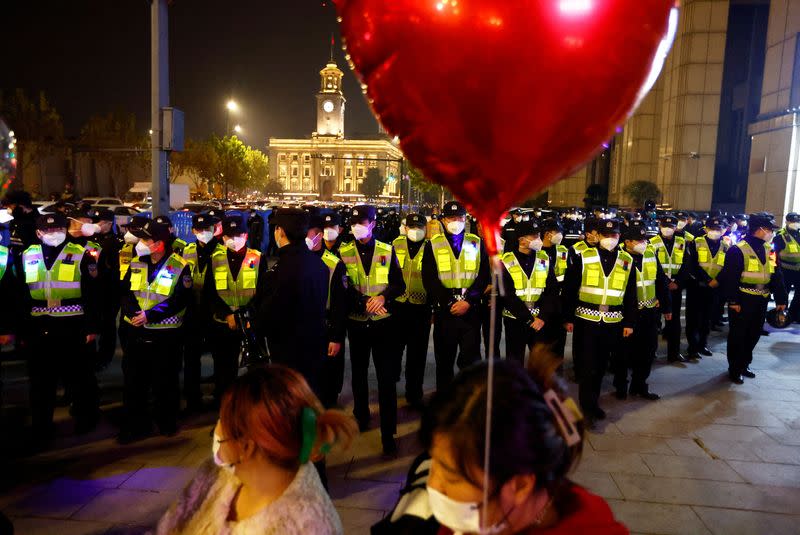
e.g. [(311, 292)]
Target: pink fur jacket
[(203, 507)]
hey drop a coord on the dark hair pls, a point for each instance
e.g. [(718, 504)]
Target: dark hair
[(525, 437)]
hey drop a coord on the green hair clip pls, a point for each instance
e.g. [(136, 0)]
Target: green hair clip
[(309, 426)]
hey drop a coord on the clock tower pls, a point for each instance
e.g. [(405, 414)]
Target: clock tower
[(330, 102)]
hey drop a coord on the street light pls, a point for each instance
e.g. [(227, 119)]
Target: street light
[(232, 105), (237, 129)]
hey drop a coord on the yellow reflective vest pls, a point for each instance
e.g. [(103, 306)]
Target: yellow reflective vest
[(711, 264), (412, 272), (235, 293), (755, 272), (528, 288), (150, 294), (371, 284), (461, 272), (790, 254), (600, 290), (670, 263), (61, 282)]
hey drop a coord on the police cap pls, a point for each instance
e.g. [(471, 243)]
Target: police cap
[(51, 221), (164, 220), (548, 225), (780, 319), (204, 221), (636, 231), (793, 217), (608, 226), (416, 221), (102, 214), (331, 220), (668, 221), (526, 228), (590, 224), (453, 209), (152, 230), (682, 216), (716, 222), (757, 221), (138, 221), (316, 221), (233, 225), (361, 212), (294, 221)]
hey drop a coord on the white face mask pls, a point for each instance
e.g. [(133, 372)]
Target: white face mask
[(416, 234), (312, 243), (89, 229), (793, 226), (142, 249), (681, 224), (205, 236), (215, 445), (640, 247), (54, 239), (5, 217), (361, 232), (236, 243), (609, 243), (667, 232), (460, 517), (535, 245), (455, 227), (714, 234), (556, 238), (130, 238), (330, 234)]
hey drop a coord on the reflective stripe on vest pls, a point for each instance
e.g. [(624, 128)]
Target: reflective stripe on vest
[(125, 258), (235, 293), (599, 289), (528, 288), (461, 272), (789, 255), (560, 268), (159, 290), (646, 279), (412, 272), (191, 256), (371, 284), (711, 264), (754, 271), (331, 261), (3, 260), (62, 281), (670, 263)]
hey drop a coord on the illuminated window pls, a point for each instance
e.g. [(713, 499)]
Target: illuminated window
[(348, 172), (295, 157), (295, 171), (306, 185), (328, 171), (282, 171), (281, 157), (306, 158), (306, 171), (295, 185), (360, 172), (348, 186)]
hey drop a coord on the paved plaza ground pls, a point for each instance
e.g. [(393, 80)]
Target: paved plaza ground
[(708, 458)]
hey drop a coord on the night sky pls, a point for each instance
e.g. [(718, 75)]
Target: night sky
[(93, 56)]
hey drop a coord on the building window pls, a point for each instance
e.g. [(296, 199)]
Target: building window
[(348, 186), (306, 185), (348, 172), (295, 185), (295, 171), (373, 160), (328, 171), (281, 157), (295, 157), (282, 171), (306, 158), (306, 171), (360, 172)]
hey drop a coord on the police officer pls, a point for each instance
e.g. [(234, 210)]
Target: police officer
[(197, 322), (62, 301), (707, 257), (178, 244), (531, 291), (747, 279), (230, 285), (332, 232), (109, 245), (600, 309), (508, 234), (554, 333), (638, 351), (375, 282), (332, 373), (590, 238), (671, 252), (413, 311), (573, 227), (255, 227), (156, 291), (22, 228), (787, 249), (455, 273), (682, 226)]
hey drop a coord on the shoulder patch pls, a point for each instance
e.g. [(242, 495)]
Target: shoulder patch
[(187, 281)]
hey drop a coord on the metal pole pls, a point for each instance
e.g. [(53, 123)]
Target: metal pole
[(400, 185), (159, 89)]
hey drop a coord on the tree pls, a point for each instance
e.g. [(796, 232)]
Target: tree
[(426, 191), (198, 161), (38, 128), (640, 191), (230, 167), (596, 195), (114, 142), (273, 187), (373, 184), (257, 169)]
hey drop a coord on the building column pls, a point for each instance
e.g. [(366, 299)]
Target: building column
[(774, 180)]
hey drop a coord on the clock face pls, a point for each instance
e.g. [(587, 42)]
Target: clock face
[(327, 106)]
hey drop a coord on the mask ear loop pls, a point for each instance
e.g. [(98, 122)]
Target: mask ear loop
[(309, 428)]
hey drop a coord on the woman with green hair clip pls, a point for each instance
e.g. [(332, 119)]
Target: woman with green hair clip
[(262, 481)]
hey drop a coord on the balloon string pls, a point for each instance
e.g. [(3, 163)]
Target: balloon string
[(497, 283)]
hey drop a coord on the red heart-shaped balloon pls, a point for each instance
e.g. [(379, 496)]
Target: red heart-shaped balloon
[(497, 99)]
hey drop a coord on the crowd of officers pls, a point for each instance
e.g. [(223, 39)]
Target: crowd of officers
[(74, 285)]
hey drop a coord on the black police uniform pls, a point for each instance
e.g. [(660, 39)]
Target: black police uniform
[(290, 305), (152, 357), (521, 337), (638, 351), (56, 345), (746, 326), (376, 338), (672, 328), (791, 271), (553, 333), (702, 296), (333, 220), (454, 335), (109, 279)]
